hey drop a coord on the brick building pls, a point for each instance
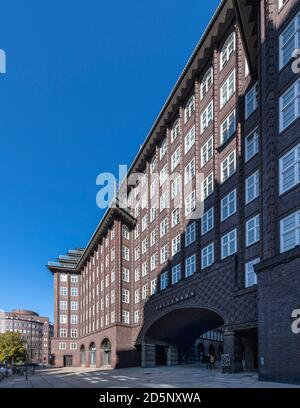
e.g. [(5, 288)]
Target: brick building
[(151, 278), (36, 331)]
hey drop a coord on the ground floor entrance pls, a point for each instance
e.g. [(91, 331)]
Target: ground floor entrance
[(68, 361)]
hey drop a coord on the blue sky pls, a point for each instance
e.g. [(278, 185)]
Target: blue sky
[(85, 80)]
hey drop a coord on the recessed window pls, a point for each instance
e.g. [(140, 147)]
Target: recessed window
[(125, 274), (190, 108), (189, 140), (252, 231), (228, 127), (164, 254), (229, 244), (164, 201), (252, 187), (153, 262), (153, 286), (125, 253), (175, 187), (189, 171), (74, 278), (63, 277), (63, 305), (175, 217), (125, 317), (63, 319), (176, 274), (228, 167), (207, 117), (62, 346), (228, 205), (227, 89), (125, 296), (63, 333), (153, 237), (289, 41), (163, 148), (190, 203), (207, 186), (125, 232), (290, 232), (289, 169), (164, 280), (164, 227), (144, 268), (63, 291), (250, 275), (190, 266), (175, 159), (207, 151), (227, 50), (207, 223), (206, 82), (251, 145), (176, 242), (74, 291), (190, 234), (289, 106), (175, 130), (251, 101), (207, 256)]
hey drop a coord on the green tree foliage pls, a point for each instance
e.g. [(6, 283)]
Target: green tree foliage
[(12, 347)]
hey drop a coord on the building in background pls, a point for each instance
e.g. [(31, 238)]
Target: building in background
[(151, 280), (36, 331)]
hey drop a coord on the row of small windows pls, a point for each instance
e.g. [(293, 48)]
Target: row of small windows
[(64, 291), (64, 278), (63, 319), (64, 333), (64, 305), (63, 346)]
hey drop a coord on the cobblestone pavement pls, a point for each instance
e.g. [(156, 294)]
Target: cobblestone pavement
[(194, 376)]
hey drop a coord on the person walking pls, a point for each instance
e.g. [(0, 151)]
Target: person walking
[(212, 361)]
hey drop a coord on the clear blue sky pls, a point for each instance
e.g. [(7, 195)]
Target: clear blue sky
[(85, 80)]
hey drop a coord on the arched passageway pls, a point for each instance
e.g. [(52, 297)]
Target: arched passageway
[(92, 353), (106, 352), (82, 356)]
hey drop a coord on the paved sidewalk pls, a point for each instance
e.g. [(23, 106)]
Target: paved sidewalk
[(194, 376)]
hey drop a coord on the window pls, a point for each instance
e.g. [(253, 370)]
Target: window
[(207, 186), (175, 187), (74, 278), (63, 305), (207, 256), (125, 232), (63, 277), (190, 234), (74, 319), (164, 226), (189, 171), (176, 274), (207, 116), (190, 265), (137, 231), (175, 130), (163, 148), (189, 109), (227, 50), (125, 274), (136, 275), (144, 268), (153, 262), (137, 253), (250, 275), (228, 127), (153, 286), (207, 151), (63, 333), (137, 296), (153, 213), (228, 167), (153, 237), (63, 291), (290, 232), (190, 203), (125, 253), (289, 41), (163, 175), (144, 246), (227, 89), (74, 292), (153, 165), (112, 296), (144, 291), (228, 205), (252, 231), (125, 296), (125, 317), (207, 223), (137, 317), (164, 254), (189, 140), (252, 187), (175, 217), (164, 201), (251, 102), (74, 333), (164, 280), (251, 145), (62, 346), (63, 319), (229, 244), (289, 106), (289, 169), (74, 305), (144, 222), (206, 83), (175, 159), (176, 245)]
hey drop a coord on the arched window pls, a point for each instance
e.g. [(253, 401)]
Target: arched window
[(189, 108), (82, 356), (106, 352), (92, 350)]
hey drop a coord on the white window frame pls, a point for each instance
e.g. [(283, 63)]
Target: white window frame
[(175, 158), (250, 275), (164, 280), (176, 274), (227, 50), (176, 244), (226, 166), (292, 231), (207, 82), (291, 170), (189, 139), (255, 228), (293, 101), (190, 262), (230, 237), (226, 129), (207, 116), (207, 186), (189, 108), (164, 254), (207, 151), (251, 96), (207, 221), (226, 205), (190, 234), (252, 139), (190, 171), (255, 185), (228, 89), (207, 256), (175, 131), (294, 37)]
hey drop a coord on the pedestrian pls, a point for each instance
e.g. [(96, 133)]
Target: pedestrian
[(212, 361)]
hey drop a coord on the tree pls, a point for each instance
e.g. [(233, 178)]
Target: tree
[(12, 347)]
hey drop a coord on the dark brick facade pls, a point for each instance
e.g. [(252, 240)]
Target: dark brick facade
[(124, 311)]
